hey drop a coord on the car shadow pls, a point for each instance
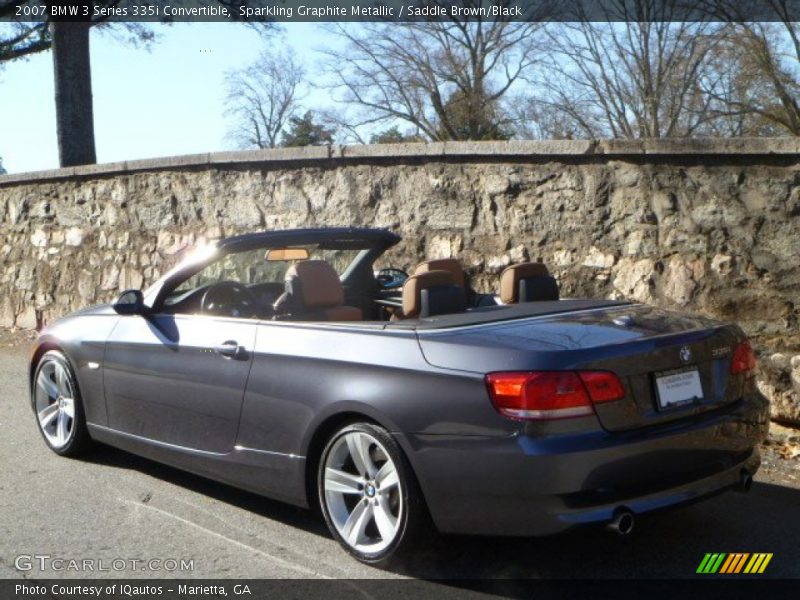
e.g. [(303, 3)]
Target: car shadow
[(663, 545), (294, 516)]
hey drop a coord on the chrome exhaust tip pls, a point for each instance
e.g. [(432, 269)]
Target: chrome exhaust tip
[(622, 523), (745, 482)]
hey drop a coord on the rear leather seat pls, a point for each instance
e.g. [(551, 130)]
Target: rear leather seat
[(460, 277), (431, 293), (527, 282), (451, 265), (313, 292)]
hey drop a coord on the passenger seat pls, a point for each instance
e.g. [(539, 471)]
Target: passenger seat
[(527, 282), (431, 293), (313, 292)]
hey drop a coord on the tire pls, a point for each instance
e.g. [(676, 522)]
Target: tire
[(369, 496), (57, 406)]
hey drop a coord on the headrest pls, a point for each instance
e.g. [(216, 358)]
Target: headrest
[(451, 265), (532, 278), (432, 293), (314, 284)]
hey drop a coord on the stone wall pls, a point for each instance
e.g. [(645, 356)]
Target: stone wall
[(708, 226)]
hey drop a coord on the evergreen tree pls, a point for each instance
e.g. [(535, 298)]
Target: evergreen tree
[(306, 131)]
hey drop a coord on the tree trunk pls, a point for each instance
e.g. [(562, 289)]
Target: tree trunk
[(73, 85)]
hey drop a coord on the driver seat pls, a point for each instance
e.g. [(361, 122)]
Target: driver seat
[(313, 292)]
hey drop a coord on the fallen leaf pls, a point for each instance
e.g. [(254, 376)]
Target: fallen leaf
[(789, 451)]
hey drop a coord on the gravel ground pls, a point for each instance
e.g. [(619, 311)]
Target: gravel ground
[(780, 455)]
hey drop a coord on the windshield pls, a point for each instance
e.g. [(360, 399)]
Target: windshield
[(251, 267)]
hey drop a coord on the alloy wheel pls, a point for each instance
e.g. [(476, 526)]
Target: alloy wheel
[(363, 492), (55, 403)]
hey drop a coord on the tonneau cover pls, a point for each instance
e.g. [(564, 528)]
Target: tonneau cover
[(504, 312)]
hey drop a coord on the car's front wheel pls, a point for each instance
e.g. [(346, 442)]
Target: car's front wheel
[(57, 404), (368, 494)]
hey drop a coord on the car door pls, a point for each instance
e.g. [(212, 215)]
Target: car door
[(179, 379)]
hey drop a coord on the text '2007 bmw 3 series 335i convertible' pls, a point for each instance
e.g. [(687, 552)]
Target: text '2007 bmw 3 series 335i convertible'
[(287, 363)]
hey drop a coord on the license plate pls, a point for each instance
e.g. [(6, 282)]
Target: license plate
[(679, 388)]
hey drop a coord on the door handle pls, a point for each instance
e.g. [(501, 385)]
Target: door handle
[(231, 349)]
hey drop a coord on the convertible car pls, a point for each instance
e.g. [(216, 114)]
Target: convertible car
[(283, 363)]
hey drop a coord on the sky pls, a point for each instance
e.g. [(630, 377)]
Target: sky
[(147, 103)]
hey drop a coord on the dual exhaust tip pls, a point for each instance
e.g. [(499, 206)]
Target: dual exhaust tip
[(624, 520), (745, 482)]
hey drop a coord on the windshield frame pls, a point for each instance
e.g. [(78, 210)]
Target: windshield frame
[(372, 243)]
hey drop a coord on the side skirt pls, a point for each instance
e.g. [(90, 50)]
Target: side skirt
[(271, 474)]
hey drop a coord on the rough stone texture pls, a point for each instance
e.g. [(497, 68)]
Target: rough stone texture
[(712, 228), (779, 380)]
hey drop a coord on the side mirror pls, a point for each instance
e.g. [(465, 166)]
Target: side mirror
[(130, 302)]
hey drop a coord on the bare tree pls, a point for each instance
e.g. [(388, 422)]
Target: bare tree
[(634, 75), (263, 98), (737, 89), (761, 86), (446, 79), (535, 120)]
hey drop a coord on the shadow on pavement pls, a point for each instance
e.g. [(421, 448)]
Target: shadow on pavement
[(304, 519), (664, 545)]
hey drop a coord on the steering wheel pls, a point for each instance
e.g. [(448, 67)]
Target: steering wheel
[(229, 299), (391, 278)]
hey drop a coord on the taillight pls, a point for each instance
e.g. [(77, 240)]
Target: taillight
[(744, 359), (551, 394), (602, 386)]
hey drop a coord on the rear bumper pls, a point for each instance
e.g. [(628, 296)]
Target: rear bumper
[(525, 485), (674, 496)]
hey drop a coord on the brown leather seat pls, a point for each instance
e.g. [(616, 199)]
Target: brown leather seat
[(313, 292), (451, 265), (432, 293), (527, 282)]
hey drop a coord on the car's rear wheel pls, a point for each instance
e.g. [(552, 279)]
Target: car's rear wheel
[(57, 404), (368, 494)]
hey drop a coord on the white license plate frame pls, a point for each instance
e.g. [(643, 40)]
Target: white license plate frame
[(678, 388)]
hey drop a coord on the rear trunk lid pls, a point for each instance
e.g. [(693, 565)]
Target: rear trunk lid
[(672, 365)]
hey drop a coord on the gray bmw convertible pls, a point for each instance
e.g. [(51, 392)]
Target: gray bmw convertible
[(285, 364)]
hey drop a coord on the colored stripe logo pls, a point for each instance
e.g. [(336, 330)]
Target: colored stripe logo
[(734, 563)]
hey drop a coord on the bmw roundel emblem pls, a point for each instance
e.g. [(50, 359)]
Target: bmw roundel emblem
[(686, 354)]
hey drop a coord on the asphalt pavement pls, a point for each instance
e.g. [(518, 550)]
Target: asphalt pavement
[(113, 506)]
